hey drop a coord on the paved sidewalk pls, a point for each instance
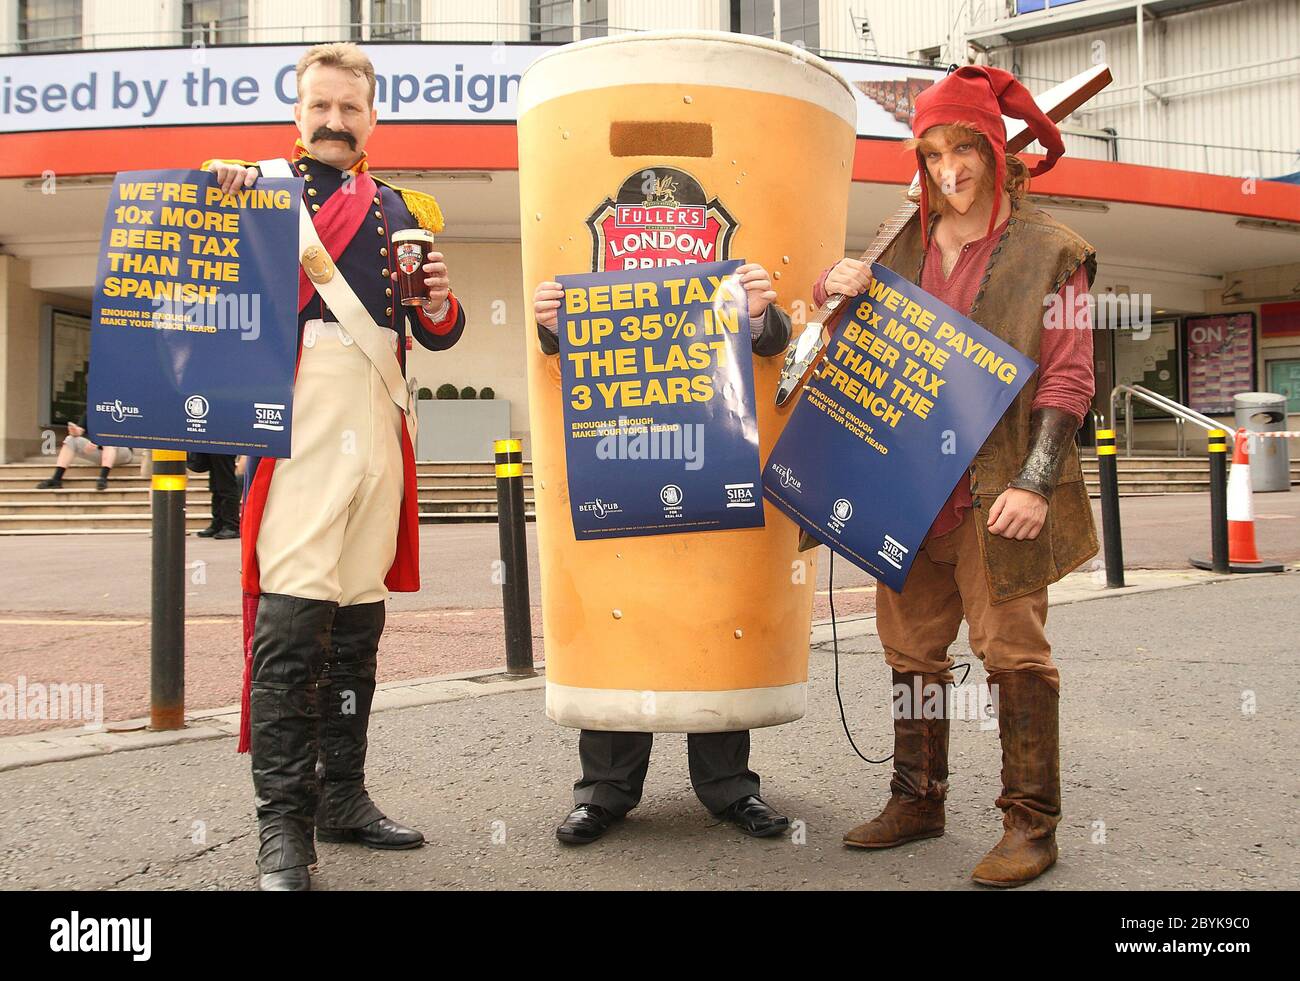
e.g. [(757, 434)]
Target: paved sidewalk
[(76, 608), (1169, 696)]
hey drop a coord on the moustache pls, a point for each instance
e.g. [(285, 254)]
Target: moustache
[(325, 133)]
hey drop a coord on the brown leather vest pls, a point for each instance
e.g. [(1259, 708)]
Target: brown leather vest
[(1033, 259)]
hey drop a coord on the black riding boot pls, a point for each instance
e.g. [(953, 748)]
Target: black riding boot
[(347, 690), (290, 645)]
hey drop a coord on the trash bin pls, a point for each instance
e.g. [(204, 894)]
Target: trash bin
[(1270, 459)]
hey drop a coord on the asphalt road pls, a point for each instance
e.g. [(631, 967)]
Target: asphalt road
[(1180, 771)]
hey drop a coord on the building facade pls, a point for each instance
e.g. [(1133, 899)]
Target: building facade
[(1177, 173)]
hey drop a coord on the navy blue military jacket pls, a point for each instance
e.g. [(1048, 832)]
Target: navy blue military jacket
[(367, 263)]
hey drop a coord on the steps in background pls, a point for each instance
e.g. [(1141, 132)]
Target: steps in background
[(1147, 475), (448, 492)]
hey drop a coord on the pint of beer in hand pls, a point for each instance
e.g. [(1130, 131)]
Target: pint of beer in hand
[(411, 251)]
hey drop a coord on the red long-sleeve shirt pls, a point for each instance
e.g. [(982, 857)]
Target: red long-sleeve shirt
[(1065, 373)]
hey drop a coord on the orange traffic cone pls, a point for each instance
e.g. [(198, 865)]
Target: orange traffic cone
[(1242, 555)]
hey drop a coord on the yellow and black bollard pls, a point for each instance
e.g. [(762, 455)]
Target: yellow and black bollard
[(167, 634), (1217, 447), (511, 524), (1108, 478)]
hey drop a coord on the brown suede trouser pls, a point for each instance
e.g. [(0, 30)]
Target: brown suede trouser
[(947, 581)]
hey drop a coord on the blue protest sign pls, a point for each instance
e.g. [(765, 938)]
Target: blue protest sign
[(908, 392), (658, 386), (194, 325)]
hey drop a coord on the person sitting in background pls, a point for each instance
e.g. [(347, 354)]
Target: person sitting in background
[(77, 445)]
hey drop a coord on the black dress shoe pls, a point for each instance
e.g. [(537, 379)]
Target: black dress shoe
[(585, 824), (101, 483), (209, 531), (752, 816), (226, 533), (296, 879), (377, 834), (49, 483)]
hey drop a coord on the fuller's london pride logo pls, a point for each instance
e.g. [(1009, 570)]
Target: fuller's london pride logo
[(660, 217)]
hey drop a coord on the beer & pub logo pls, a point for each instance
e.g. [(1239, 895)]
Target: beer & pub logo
[(660, 217)]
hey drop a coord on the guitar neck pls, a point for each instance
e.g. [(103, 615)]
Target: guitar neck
[(887, 233)]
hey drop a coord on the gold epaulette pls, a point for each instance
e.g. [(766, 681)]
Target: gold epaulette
[(424, 207)]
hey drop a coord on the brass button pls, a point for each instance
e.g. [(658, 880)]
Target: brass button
[(376, 200), (389, 311), (384, 273), (379, 214), (383, 252), (311, 191), (380, 230), (307, 178), (388, 292), (302, 166), (315, 207)]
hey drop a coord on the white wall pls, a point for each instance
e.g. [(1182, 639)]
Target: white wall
[(486, 278), (475, 20), (309, 21), (130, 23)]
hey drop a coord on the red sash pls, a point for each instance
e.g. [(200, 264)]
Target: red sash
[(336, 223)]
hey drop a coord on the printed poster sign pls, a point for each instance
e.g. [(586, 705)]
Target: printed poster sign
[(908, 392), (1220, 360), (657, 376), (194, 325)]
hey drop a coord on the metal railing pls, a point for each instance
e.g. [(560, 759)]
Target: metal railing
[(1181, 413)]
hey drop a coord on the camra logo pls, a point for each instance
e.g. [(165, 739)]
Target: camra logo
[(269, 415), (102, 934), (841, 511), (660, 217), (117, 411), (671, 496), (600, 508), (893, 552), (196, 412), (740, 495), (787, 476)]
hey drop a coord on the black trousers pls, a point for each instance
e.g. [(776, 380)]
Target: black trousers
[(614, 766), (225, 491)]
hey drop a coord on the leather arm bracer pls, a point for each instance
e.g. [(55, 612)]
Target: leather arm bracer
[(1051, 432)]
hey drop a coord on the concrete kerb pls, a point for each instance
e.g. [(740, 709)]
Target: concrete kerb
[(55, 746), (60, 745)]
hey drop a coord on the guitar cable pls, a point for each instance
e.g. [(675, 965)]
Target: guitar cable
[(835, 648)]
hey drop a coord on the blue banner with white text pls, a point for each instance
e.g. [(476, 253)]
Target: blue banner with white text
[(194, 327), (661, 434), (906, 395)]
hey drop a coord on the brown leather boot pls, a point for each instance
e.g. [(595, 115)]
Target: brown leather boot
[(1029, 726), (920, 781)]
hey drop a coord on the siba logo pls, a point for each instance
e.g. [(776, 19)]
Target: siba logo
[(268, 415), (660, 217), (117, 411), (787, 476), (600, 508), (740, 495), (893, 552)]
